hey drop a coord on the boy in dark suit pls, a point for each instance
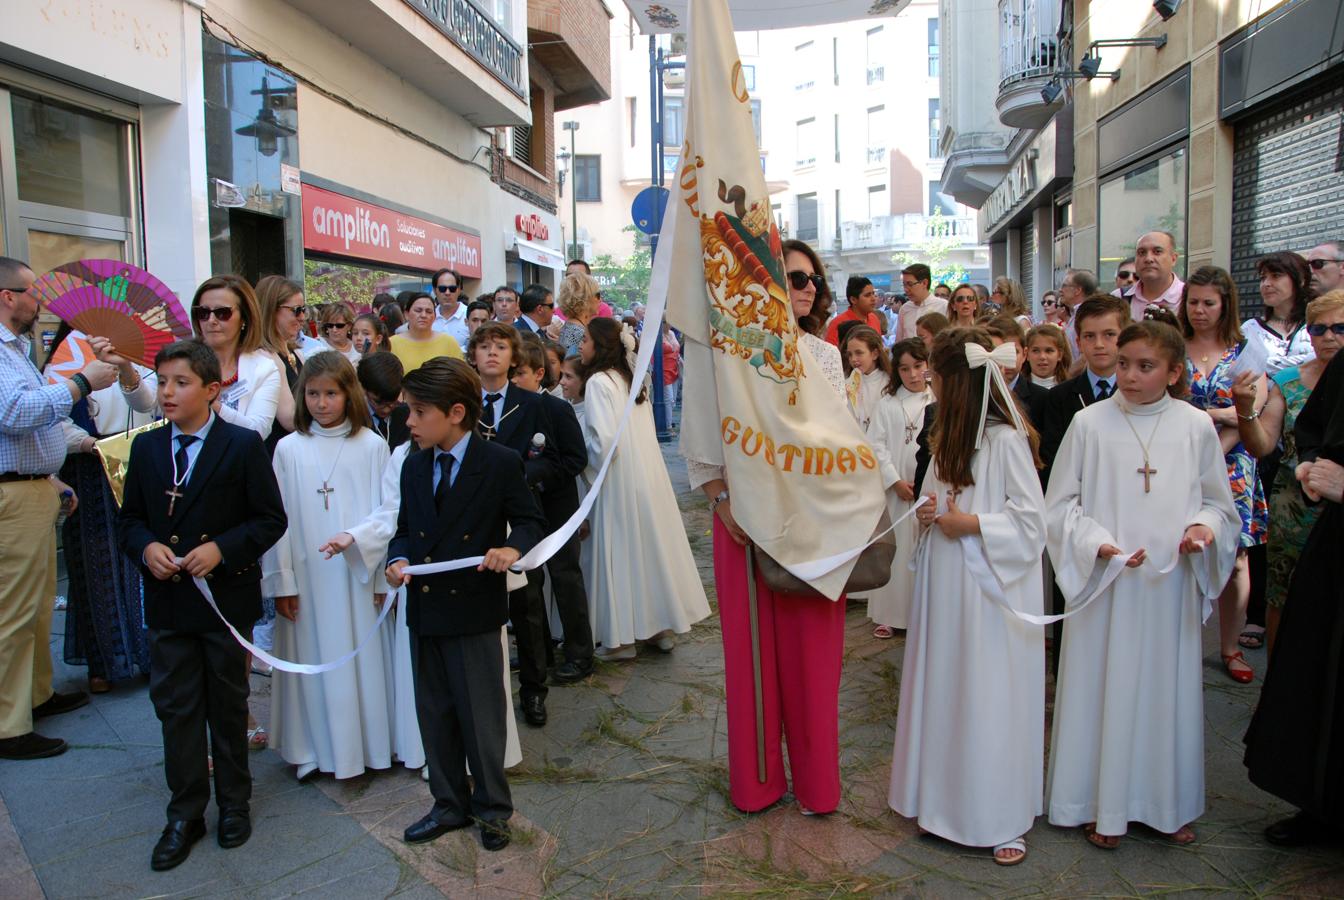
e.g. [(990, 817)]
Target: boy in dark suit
[(559, 500), (515, 418), (200, 501), (459, 495), (380, 376)]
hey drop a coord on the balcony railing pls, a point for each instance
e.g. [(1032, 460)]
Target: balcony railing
[(891, 232), (876, 155), (1028, 39)]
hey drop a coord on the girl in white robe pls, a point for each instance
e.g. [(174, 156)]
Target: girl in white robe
[(644, 583), (1140, 475), (870, 373), (969, 749), (329, 472), (893, 432)]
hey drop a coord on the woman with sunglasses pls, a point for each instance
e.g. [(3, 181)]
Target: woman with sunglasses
[(421, 343), (802, 638), (338, 322), (226, 318), (964, 307), (1011, 300), (283, 316)]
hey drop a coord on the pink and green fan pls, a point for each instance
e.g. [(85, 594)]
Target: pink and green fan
[(125, 304)]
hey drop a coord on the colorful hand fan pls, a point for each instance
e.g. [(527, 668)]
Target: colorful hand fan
[(118, 301), (73, 354)]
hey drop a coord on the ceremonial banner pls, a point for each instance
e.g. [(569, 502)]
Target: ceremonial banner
[(805, 483)]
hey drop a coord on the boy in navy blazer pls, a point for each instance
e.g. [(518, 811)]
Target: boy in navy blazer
[(200, 501), (460, 495)]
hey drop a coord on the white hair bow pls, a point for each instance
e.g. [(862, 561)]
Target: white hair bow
[(1001, 357), (631, 345)]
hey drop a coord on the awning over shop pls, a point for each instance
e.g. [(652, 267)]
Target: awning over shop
[(669, 16), (538, 254)]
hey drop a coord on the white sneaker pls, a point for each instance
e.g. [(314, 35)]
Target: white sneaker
[(424, 774), (664, 641)]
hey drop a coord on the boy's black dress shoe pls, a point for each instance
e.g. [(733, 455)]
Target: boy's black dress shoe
[(428, 828), (495, 835), (570, 672), (60, 703), (31, 746), (235, 827), (1298, 831), (534, 711), (174, 845)]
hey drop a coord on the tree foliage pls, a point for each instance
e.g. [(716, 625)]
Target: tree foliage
[(939, 242), (625, 282)]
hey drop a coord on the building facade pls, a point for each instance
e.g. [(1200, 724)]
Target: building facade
[(356, 146)]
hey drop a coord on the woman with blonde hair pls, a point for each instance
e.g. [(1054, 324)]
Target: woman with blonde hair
[(578, 297), (1012, 300), (338, 329)]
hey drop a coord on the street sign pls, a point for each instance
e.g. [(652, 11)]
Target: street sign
[(648, 208)]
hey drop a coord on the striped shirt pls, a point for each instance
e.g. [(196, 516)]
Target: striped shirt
[(31, 411)]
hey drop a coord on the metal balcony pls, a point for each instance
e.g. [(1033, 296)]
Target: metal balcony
[(1028, 56), (877, 156), (877, 74), (905, 231)]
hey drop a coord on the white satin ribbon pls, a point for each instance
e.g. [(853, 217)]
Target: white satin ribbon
[(816, 568), (993, 362)]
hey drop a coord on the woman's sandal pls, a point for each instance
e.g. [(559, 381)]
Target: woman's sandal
[(1019, 845), (883, 632), (257, 738), (1241, 676), (1101, 841), (1182, 836), (1251, 640)]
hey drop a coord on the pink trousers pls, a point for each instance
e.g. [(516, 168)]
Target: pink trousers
[(802, 645)]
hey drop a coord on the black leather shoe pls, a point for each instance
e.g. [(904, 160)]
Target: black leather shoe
[(570, 672), (1296, 831), (495, 835), (31, 746), (427, 829), (60, 703), (235, 827), (174, 845), (534, 711)]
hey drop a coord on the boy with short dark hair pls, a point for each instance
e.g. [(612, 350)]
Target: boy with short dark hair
[(460, 495), (380, 376), (200, 502), (1007, 330)]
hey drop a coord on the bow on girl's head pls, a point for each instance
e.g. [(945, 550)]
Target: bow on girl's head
[(994, 362)]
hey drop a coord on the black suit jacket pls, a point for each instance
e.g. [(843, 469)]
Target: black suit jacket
[(1033, 398), (560, 496), (523, 416), (488, 495), (922, 452), (232, 499), (1062, 403)]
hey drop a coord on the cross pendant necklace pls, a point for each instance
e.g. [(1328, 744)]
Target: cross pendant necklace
[(1147, 470), (488, 432), (326, 490), (174, 492)]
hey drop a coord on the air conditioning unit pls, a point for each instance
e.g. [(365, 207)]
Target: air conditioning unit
[(674, 78)]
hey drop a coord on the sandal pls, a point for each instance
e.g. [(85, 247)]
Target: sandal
[(1251, 640), (1101, 841), (1018, 845), (1182, 836), (1241, 676), (257, 738), (883, 632)]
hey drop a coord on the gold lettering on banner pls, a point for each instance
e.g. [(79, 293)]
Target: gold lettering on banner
[(756, 444), (690, 179), (739, 83)]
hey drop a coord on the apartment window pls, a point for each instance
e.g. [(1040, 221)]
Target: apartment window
[(756, 120), (749, 77), (877, 72), (588, 178), (630, 114), (934, 52), (877, 135), (940, 202), (935, 125), (502, 13), (807, 217), (807, 143), (837, 215), (879, 203), (1147, 196), (837, 137), (674, 122), (835, 59), (805, 65)]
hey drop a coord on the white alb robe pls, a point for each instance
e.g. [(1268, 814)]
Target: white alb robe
[(970, 730), (865, 392), (339, 721), (641, 577), (1128, 742), (368, 554), (894, 432)]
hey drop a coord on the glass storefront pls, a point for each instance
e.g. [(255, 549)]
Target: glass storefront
[(326, 281), (1148, 196)]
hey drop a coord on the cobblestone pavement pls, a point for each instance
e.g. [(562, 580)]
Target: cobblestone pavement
[(623, 793)]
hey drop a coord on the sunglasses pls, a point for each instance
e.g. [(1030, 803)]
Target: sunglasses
[(1319, 264), (1124, 273), (1320, 329), (800, 280), (1048, 303), (297, 312), (221, 313), (447, 289), (332, 326)]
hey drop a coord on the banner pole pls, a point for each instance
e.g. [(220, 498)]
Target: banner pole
[(753, 612)]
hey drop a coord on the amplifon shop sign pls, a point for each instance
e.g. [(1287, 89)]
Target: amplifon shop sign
[(343, 226)]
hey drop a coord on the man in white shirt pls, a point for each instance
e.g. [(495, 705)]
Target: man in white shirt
[(1155, 259), (1327, 266), (916, 280), (452, 316)]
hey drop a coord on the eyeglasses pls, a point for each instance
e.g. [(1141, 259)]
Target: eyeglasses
[(547, 305), (15, 290), (221, 313), (447, 288), (297, 312), (1320, 329), (332, 326), (996, 293), (1124, 273), (800, 280), (1319, 264)]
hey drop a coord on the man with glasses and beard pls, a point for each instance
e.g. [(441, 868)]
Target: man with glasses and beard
[(32, 448), (1327, 266), (452, 313)]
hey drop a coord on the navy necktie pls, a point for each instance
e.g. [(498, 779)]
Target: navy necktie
[(488, 413), (180, 458), (1103, 389), (445, 462)]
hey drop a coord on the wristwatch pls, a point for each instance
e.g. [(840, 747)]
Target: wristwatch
[(723, 495)]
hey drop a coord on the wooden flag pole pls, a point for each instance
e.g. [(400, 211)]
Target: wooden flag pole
[(754, 614)]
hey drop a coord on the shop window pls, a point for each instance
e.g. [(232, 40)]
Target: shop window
[(1148, 196), (71, 159), (674, 121), (588, 178), (878, 202), (804, 64)]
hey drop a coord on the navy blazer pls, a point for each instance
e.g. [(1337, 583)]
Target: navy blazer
[(524, 415), (1062, 403), (1033, 397), (560, 496), (489, 494), (232, 499)]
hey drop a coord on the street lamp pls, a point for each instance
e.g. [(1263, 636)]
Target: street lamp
[(572, 127)]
